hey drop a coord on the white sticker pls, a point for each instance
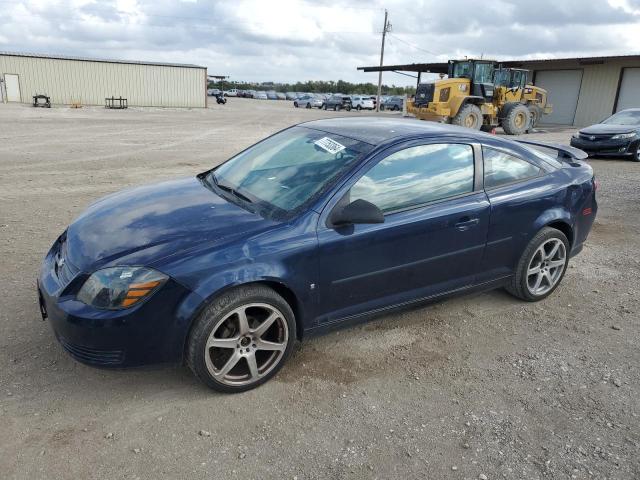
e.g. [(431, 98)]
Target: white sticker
[(329, 145)]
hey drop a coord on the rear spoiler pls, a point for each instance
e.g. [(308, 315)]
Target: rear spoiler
[(564, 151)]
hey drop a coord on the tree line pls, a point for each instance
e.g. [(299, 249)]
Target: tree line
[(316, 86)]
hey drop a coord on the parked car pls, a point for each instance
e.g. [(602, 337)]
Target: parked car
[(391, 103), (281, 96), (308, 101), (250, 94), (617, 136), (321, 224), (213, 92), (291, 95), (361, 103), (271, 95), (231, 93), (337, 102), (260, 95)]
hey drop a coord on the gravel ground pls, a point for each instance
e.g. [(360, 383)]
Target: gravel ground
[(480, 386)]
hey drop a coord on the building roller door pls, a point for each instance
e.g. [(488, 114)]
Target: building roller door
[(563, 87), (629, 96)]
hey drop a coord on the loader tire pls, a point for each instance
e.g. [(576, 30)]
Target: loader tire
[(516, 122), (535, 113), (469, 116)]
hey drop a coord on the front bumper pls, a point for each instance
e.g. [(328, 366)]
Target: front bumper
[(611, 148), (144, 334)]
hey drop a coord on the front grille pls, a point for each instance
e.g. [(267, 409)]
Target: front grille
[(595, 137), (424, 94), (91, 355)]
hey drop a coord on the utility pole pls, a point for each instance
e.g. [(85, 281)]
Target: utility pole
[(385, 29)]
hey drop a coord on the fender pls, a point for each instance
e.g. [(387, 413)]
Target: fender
[(556, 217)]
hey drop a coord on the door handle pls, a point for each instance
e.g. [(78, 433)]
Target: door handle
[(466, 223)]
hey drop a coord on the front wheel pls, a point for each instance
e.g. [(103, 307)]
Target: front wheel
[(242, 339), (295, 104), (636, 156), (469, 116), (308, 105), (358, 107), (541, 266), (348, 108)]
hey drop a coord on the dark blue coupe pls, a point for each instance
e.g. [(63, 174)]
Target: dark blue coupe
[(324, 223)]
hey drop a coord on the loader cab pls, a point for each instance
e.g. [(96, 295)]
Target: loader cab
[(479, 72), (512, 78)]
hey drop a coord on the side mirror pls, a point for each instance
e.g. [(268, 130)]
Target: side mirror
[(358, 211)]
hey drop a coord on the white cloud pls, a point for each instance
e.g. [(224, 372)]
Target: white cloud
[(322, 39)]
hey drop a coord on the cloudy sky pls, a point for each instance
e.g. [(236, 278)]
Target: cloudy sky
[(289, 40)]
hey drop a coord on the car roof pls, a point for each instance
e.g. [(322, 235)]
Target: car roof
[(378, 130)]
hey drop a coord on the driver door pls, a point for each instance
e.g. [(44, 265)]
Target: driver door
[(432, 240)]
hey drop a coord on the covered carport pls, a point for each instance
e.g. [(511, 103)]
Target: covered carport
[(582, 90)]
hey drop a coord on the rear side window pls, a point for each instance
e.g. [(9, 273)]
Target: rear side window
[(501, 168), (417, 175)]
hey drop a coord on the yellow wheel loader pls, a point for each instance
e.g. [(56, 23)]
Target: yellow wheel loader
[(481, 95)]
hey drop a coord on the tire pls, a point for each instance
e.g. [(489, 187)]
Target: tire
[(523, 283), (223, 319), (358, 107), (396, 108), (308, 105), (516, 121), (348, 108), (382, 108), (336, 108), (535, 113), (636, 156), (295, 104), (487, 128), (469, 116), (324, 106)]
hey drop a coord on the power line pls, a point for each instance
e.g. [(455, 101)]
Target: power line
[(413, 45)]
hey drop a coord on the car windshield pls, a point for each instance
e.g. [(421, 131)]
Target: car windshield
[(286, 171), (630, 117)]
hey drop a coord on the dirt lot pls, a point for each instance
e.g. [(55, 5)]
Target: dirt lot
[(474, 387)]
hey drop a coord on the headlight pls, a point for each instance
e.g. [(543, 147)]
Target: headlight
[(120, 287), (622, 136), (444, 94)]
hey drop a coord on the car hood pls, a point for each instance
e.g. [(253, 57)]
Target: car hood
[(141, 226), (602, 128)]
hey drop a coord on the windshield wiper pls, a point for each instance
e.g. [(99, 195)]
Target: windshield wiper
[(227, 188)]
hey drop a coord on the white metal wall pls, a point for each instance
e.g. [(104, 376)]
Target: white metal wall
[(89, 82), (599, 86), (629, 96), (563, 88)]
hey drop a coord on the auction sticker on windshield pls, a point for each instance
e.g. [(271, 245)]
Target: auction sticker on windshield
[(329, 145)]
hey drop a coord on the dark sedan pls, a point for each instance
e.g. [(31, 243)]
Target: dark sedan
[(392, 103), (338, 102), (617, 136), (323, 224)]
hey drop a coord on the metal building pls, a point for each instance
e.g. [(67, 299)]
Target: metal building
[(89, 81), (582, 90)]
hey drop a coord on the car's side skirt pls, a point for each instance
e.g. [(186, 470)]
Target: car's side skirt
[(370, 314)]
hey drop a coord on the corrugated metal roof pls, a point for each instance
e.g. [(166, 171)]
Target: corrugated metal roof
[(441, 67), (99, 60)]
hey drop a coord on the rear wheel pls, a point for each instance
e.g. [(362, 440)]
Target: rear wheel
[(469, 116), (324, 106), (308, 105), (358, 107), (336, 108), (541, 266), (242, 339), (535, 113), (396, 108), (516, 122)]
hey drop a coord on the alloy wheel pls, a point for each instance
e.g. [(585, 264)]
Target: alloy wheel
[(246, 344), (546, 266)]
